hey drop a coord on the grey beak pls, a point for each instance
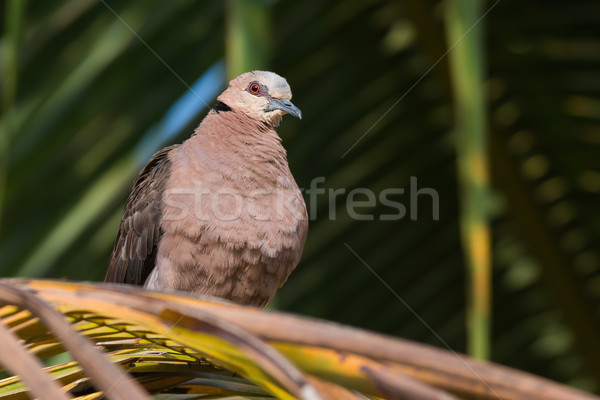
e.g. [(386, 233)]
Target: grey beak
[(284, 105)]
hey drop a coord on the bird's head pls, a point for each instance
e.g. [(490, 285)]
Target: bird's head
[(262, 95)]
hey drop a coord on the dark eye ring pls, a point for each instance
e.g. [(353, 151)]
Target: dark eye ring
[(254, 88)]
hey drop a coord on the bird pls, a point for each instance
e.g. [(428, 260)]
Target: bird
[(219, 214)]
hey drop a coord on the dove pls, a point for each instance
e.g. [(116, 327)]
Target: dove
[(219, 214)]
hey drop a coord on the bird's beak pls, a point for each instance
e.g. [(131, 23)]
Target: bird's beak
[(284, 105)]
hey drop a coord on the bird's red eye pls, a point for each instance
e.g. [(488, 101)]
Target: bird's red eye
[(254, 88)]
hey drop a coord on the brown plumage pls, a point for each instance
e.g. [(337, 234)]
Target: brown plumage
[(219, 214)]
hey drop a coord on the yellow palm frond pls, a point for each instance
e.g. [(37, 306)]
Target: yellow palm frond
[(130, 343)]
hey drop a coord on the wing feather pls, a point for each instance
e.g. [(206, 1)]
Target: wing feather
[(134, 254)]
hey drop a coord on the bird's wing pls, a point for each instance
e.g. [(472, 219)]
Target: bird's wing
[(134, 254)]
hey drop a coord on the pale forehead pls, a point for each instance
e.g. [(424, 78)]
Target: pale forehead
[(276, 84)]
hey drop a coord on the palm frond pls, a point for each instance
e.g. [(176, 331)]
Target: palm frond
[(183, 347)]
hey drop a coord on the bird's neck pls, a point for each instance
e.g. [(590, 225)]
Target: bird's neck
[(234, 134)]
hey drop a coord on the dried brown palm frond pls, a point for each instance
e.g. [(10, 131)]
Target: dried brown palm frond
[(180, 347)]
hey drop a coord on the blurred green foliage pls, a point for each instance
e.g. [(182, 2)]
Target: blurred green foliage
[(81, 89)]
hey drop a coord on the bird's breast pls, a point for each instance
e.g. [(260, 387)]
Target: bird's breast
[(252, 207), (227, 233)]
